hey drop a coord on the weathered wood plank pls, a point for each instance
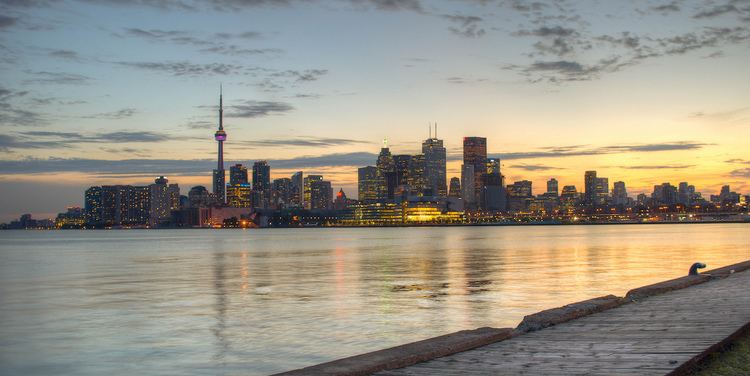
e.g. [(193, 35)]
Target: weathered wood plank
[(652, 336)]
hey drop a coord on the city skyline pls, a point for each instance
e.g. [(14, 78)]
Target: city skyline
[(117, 94)]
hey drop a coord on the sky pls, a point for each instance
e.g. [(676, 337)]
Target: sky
[(121, 91)]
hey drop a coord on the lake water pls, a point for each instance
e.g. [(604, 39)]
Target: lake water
[(254, 302)]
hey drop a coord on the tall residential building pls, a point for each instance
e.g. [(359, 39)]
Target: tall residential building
[(367, 184), (665, 194), (297, 190), (237, 174), (261, 184), (552, 186), (321, 195), (455, 187), (386, 173), (475, 155), (219, 175), (93, 205), (683, 194), (435, 165), (307, 191), (160, 207)]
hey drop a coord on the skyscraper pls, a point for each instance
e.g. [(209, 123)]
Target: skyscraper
[(493, 197), (386, 174), (161, 203), (308, 183), (417, 180), (367, 184), (219, 177), (321, 195), (589, 187), (552, 186), (619, 193), (475, 155), (401, 164), (237, 174), (262, 184), (435, 165), (297, 190)]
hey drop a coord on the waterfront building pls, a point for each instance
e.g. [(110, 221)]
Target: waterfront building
[(93, 205), (386, 175), (552, 186), (596, 189), (219, 175), (307, 192), (297, 190), (620, 194), (455, 188), (367, 184), (664, 194), (239, 195), (519, 196), (281, 193), (237, 174), (160, 206), (570, 198), (261, 184), (435, 165), (493, 197), (475, 156), (74, 217), (321, 195)]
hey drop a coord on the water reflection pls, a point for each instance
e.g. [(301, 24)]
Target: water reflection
[(257, 302)]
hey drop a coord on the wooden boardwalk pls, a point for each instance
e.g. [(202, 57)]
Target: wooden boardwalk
[(653, 336)]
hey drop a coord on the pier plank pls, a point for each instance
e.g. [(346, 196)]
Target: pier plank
[(651, 336)]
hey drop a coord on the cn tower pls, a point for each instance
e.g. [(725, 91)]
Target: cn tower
[(219, 173)]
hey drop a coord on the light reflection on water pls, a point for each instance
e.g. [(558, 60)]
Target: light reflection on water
[(255, 302)]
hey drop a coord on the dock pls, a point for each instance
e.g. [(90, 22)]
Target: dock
[(661, 329)]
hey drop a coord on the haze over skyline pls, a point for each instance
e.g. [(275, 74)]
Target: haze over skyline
[(645, 93)]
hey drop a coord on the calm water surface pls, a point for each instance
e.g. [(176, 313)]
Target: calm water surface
[(250, 302)]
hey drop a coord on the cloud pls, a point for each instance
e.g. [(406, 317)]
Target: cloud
[(721, 116), (667, 8), (717, 11), (234, 50), (656, 167), (12, 115), (567, 70), (184, 68), (6, 21), (740, 173), (201, 124), (302, 75), (64, 54), (114, 115), (58, 78), (530, 167), (737, 160), (575, 151), (170, 166), (216, 43), (255, 109), (392, 5), (466, 26), (59, 140), (304, 142)]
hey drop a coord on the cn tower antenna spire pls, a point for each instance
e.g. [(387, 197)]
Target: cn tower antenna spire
[(221, 107)]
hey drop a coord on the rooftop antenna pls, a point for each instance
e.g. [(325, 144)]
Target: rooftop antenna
[(221, 107), (385, 143), (435, 129), (429, 126)]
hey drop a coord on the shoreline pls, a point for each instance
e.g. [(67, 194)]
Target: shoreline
[(397, 226)]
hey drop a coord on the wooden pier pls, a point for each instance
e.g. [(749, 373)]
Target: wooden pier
[(662, 329)]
